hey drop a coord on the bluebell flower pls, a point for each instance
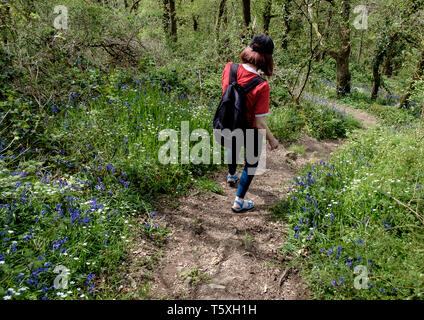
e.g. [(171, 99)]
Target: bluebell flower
[(339, 250)]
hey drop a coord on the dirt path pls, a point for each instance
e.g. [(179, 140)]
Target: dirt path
[(367, 120), (213, 253)]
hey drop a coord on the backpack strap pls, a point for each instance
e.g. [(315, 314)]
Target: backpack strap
[(233, 73), (252, 84)]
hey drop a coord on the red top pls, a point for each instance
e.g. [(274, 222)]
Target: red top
[(257, 100)]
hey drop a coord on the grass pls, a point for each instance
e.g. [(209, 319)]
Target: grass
[(298, 149), (74, 202), (195, 276), (205, 184), (323, 122), (73, 197), (343, 214), (384, 107), (389, 114)]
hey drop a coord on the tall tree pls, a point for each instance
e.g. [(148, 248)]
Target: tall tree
[(221, 10), (246, 12), (266, 15), (340, 50), (392, 32), (165, 17), (4, 21), (286, 20), (195, 18), (173, 20), (417, 75), (342, 55), (381, 51)]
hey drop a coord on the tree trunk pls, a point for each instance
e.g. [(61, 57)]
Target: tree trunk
[(165, 18), (286, 20), (418, 74), (195, 18), (360, 46), (343, 73), (173, 20), (246, 12), (5, 21), (218, 19), (195, 24), (388, 66), (343, 55), (378, 60), (376, 76), (267, 15)]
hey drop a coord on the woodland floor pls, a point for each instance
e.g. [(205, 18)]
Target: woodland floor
[(213, 253)]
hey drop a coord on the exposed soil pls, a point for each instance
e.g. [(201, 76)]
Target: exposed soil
[(213, 253)]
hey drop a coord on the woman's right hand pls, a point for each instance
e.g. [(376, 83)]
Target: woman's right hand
[(273, 144)]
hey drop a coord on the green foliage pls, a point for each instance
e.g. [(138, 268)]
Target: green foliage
[(286, 123), (208, 185), (343, 213), (324, 122), (390, 115), (298, 148), (329, 122), (79, 135), (74, 204)]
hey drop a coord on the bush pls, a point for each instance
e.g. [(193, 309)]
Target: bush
[(73, 202), (353, 210), (323, 122)]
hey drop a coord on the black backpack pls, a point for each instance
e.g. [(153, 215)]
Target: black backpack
[(231, 111)]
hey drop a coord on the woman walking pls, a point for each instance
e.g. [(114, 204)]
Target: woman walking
[(256, 56)]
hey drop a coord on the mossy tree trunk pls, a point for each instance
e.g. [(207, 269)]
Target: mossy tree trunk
[(266, 15), (418, 74), (172, 13)]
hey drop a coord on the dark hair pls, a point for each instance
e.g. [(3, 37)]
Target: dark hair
[(262, 61)]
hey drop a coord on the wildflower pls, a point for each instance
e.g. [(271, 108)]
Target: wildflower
[(90, 277), (339, 250)]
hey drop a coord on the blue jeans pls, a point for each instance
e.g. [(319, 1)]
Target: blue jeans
[(249, 167)]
